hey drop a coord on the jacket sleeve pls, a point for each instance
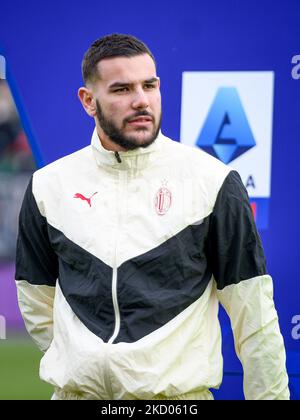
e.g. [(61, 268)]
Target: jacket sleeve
[(245, 290), (36, 272)]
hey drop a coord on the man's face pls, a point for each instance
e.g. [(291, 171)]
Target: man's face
[(128, 101)]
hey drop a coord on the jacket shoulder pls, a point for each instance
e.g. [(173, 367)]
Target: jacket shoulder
[(47, 181), (197, 162)]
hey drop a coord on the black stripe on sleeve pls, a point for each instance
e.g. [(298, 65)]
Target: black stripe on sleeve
[(36, 261), (235, 251)]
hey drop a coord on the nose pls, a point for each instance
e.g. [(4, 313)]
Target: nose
[(140, 100)]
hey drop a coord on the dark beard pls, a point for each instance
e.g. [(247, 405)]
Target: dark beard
[(115, 134)]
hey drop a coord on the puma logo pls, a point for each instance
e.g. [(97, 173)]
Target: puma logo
[(82, 197)]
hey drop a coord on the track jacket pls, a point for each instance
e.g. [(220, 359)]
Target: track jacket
[(121, 263)]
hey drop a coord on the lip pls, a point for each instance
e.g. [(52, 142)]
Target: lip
[(140, 123), (142, 120)]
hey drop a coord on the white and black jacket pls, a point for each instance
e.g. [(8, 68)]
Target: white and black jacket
[(121, 264)]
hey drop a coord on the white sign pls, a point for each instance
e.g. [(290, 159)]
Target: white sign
[(254, 95)]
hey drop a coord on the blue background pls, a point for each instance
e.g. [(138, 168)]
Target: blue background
[(44, 42)]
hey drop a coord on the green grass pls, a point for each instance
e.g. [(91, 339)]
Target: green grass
[(19, 371)]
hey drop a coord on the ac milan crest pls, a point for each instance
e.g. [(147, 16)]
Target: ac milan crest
[(163, 200)]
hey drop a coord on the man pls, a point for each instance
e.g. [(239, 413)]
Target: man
[(126, 246)]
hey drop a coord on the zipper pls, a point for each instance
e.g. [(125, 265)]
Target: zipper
[(115, 303), (121, 189), (121, 207)]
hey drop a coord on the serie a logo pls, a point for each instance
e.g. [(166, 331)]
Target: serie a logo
[(226, 133)]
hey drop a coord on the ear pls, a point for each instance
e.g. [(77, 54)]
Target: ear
[(87, 100)]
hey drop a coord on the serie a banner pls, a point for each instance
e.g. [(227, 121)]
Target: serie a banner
[(229, 115)]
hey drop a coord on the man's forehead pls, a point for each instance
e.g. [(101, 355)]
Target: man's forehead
[(126, 69)]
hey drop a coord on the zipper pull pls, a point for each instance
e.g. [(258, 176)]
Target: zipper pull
[(118, 157)]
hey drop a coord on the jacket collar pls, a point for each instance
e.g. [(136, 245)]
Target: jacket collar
[(133, 159)]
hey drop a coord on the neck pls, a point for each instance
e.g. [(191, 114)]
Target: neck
[(108, 144)]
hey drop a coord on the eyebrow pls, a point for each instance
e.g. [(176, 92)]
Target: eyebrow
[(123, 84)]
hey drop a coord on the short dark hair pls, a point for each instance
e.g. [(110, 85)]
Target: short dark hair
[(114, 45)]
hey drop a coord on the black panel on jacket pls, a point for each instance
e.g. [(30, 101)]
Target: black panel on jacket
[(86, 283), (155, 287), (36, 261), (235, 252)]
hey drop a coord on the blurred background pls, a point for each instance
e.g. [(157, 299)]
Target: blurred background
[(19, 359), (41, 119)]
